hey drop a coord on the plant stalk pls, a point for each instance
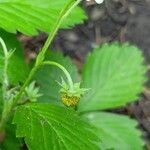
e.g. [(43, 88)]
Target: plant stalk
[(39, 60), (70, 82), (63, 14), (5, 83)]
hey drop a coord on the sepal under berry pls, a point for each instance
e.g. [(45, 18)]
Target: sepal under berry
[(70, 96)]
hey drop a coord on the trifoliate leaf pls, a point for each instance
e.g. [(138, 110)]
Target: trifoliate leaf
[(117, 131), (115, 74), (47, 77), (46, 127), (29, 17), (17, 69)]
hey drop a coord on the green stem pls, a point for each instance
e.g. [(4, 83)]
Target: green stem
[(9, 105), (5, 77), (70, 82), (5, 83), (63, 14), (40, 58), (5, 114)]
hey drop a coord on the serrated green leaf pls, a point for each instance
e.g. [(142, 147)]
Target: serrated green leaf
[(117, 131), (46, 127), (17, 69), (48, 76), (29, 17), (115, 74)]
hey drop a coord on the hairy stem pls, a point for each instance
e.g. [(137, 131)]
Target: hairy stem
[(5, 83), (63, 14), (40, 58), (5, 76), (70, 82)]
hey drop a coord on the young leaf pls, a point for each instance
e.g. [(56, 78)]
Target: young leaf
[(29, 17), (17, 69), (46, 126), (116, 131), (115, 74), (47, 77)]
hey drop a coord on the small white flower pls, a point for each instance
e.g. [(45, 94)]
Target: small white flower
[(97, 1)]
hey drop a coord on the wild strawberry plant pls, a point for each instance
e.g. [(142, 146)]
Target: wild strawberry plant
[(67, 114)]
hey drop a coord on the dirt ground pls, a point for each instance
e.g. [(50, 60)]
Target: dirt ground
[(114, 20)]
